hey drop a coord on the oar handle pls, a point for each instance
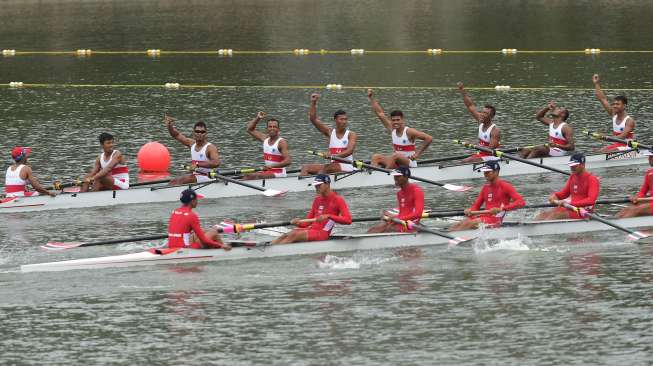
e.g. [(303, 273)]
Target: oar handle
[(58, 186), (630, 143)]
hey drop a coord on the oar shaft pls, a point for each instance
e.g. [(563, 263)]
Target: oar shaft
[(599, 219), (126, 240), (235, 181), (630, 143)]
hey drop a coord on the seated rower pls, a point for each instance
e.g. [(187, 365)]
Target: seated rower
[(410, 198), (623, 125), (582, 189), (403, 138), (488, 133), (184, 229), (110, 171), (275, 149), (342, 141), (643, 201), (20, 173), (328, 209), (496, 197), (561, 140)]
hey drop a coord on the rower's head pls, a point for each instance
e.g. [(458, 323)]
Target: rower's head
[(189, 198), (200, 132), (648, 153), (560, 113), (322, 184), (397, 119), (20, 154), (619, 103), (273, 127), (107, 141), (401, 176), (487, 113), (577, 163), (490, 170), (341, 119)]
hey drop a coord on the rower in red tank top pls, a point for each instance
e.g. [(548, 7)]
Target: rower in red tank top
[(110, 171), (643, 201), (496, 198), (488, 133), (184, 229), (410, 199)]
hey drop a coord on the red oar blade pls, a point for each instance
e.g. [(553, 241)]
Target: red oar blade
[(455, 188), (56, 245), (274, 192)]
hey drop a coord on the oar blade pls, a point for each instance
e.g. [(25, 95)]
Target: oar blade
[(456, 188), (274, 193), (57, 245), (458, 240), (640, 237)]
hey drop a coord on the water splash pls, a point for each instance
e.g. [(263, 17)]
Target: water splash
[(334, 262), (483, 245)]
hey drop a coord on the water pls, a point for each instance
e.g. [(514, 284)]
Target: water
[(575, 299)]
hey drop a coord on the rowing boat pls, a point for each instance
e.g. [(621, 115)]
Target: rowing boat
[(294, 183), (337, 243)]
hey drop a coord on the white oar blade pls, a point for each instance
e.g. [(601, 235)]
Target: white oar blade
[(273, 193), (459, 239), (55, 245), (455, 188), (640, 237)]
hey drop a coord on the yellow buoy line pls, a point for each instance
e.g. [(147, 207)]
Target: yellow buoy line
[(155, 52), (334, 87)]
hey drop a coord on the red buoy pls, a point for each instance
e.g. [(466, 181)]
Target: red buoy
[(153, 157)]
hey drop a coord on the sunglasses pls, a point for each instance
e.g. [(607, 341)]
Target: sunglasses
[(199, 131)]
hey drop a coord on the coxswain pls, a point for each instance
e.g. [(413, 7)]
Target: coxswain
[(276, 154), (582, 191), (204, 155), (561, 135), (328, 209), (410, 198), (643, 201), (184, 230), (496, 198), (110, 171), (342, 142), (623, 125), (403, 138), (20, 173), (488, 133)]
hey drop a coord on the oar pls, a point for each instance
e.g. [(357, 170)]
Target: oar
[(629, 143), (359, 164), (69, 245), (501, 154), (632, 235), (460, 157), (58, 186), (453, 240), (266, 192)]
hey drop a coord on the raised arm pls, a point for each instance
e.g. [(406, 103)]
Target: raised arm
[(169, 122), (600, 96), (378, 111), (351, 146), (541, 114), (29, 176), (312, 116), (419, 135), (251, 127), (469, 103)]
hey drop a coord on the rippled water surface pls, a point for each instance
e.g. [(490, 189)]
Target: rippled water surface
[(572, 299)]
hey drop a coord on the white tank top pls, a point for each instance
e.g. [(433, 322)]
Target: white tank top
[(336, 145), (618, 128), (484, 136), (120, 171), (272, 155), (197, 156), (402, 144), (15, 186), (556, 135)]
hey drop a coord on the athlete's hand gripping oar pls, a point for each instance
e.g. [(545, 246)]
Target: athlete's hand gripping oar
[(265, 192), (70, 245), (409, 224), (630, 143), (501, 154), (359, 164), (58, 186), (632, 235)]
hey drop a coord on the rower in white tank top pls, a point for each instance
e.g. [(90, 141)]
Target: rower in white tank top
[(15, 186), (201, 174), (484, 139), (556, 136), (120, 172), (272, 155), (337, 146), (403, 146)]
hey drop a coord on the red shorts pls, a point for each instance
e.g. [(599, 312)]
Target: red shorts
[(316, 235), (489, 220), (570, 213)]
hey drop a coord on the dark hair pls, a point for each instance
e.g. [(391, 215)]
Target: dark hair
[(397, 113), (622, 99), (339, 112), (200, 124), (105, 136), (490, 107), (566, 114), (273, 120)]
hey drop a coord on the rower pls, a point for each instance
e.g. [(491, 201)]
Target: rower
[(488, 133), (110, 171), (342, 142), (561, 139), (410, 198), (276, 154), (496, 197), (623, 125), (582, 189), (20, 173), (184, 229), (403, 138), (328, 209), (204, 155), (640, 205)]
